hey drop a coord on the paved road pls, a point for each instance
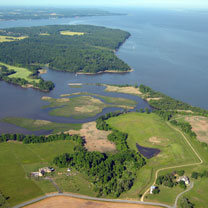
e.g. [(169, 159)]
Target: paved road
[(178, 166), (90, 198), (179, 195)]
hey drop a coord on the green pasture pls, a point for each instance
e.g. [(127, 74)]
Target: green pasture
[(21, 72), (143, 129)]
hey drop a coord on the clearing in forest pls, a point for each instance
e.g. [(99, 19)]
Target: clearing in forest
[(96, 140)]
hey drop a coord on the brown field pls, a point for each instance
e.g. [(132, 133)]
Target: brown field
[(127, 90), (148, 99), (42, 71), (157, 140), (96, 140), (46, 98), (199, 126), (62, 100), (70, 202), (41, 122)]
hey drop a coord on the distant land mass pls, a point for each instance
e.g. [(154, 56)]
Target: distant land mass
[(13, 13)]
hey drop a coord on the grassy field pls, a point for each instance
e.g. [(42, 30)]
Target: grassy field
[(71, 33), (22, 73), (85, 106), (37, 125), (44, 34), (150, 131), (18, 160), (10, 38)]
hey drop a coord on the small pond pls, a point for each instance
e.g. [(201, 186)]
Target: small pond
[(147, 151)]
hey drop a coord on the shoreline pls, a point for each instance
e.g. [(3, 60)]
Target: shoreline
[(102, 72)]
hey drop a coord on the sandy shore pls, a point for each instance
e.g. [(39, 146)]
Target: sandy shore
[(107, 71), (70, 202)]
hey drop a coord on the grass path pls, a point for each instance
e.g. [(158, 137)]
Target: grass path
[(178, 166)]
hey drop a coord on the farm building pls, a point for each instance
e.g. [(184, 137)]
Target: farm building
[(185, 179), (46, 170)]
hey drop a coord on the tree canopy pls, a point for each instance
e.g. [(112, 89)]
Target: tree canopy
[(93, 51)]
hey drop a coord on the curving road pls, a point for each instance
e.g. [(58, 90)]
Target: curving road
[(177, 166), (179, 195), (91, 198)]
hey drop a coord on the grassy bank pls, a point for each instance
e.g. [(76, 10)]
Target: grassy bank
[(21, 73), (37, 125)]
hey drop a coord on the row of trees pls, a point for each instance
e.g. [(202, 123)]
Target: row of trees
[(28, 139), (196, 175), (185, 126)]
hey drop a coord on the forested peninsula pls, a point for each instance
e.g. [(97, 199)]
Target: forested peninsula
[(72, 48)]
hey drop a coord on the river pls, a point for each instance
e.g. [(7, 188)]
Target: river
[(168, 50)]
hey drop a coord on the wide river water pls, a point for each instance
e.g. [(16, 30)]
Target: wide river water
[(168, 50)]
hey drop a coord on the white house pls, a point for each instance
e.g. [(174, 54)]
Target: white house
[(152, 188), (185, 179)]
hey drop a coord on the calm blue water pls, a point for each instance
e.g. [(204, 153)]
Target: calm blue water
[(168, 51)]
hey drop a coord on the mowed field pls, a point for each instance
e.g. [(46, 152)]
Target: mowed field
[(18, 160), (10, 38), (21, 72), (70, 33), (150, 130)]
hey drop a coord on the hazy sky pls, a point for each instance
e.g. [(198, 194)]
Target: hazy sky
[(152, 3)]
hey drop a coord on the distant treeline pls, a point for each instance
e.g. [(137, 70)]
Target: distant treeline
[(48, 13), (92, 52)]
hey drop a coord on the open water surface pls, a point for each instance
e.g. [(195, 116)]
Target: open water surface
[(168, 50)]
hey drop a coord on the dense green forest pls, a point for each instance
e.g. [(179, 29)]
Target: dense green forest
[(91, 52)]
